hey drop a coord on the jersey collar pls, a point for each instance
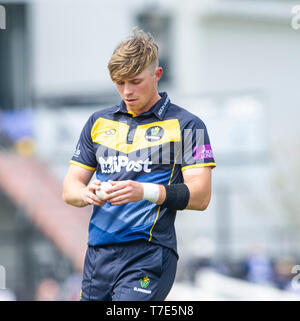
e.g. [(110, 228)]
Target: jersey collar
[(159, 109)]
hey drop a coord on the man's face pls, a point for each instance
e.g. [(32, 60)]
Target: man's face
[(140, 92)]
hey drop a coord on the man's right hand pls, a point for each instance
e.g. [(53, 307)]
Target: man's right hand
[(89, 196), (77, 190)]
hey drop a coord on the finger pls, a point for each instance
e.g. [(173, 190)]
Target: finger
[(114, 184), (125, 201), (95, 198), (95, 182), (94, 186), (89, 200), (123, 198), (97, 202), (114, 194), (117, 186)]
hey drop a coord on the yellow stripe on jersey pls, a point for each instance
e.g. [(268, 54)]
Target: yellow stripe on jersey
[(150, 238), (82, 165), (113, 134), (198, 165)]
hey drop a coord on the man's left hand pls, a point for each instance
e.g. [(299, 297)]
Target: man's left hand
[(123, 192)]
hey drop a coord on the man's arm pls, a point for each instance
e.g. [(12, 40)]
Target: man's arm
[(76, 188), (198, 181)]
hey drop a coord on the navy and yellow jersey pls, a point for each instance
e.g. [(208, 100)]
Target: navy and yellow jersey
[(154, 147)]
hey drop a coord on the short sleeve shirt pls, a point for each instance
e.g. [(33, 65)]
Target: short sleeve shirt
[(154, 147)]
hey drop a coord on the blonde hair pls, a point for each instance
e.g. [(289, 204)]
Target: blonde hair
[(133, 55)]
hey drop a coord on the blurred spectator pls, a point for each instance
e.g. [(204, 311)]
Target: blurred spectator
[(16, 127), (25, 147), (259, 267), (5, 141), (282, 272), (70, 289), (47, 290), (200, 255)]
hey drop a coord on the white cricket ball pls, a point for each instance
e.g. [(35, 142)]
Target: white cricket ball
[(101, 193)]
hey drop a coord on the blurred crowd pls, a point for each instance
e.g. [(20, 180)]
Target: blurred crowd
[(257, 268), (49, 289)]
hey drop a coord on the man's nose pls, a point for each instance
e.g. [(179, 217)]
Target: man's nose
[(127, 89)]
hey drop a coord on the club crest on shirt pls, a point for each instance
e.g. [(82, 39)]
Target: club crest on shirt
[(144, 282), (154, 133)]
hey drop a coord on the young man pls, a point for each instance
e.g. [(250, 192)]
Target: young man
[(158, 159)]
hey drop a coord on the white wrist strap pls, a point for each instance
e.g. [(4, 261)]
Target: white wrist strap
[(151, 192)]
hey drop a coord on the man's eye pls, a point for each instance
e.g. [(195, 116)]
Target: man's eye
[(120, 83)]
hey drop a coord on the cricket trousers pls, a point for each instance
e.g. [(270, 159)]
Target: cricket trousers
[(133, 271)]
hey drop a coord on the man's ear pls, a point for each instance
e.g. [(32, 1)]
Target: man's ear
[(158, 73)]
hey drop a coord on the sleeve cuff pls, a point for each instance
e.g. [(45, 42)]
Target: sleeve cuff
[(82, 165), (212, 165)]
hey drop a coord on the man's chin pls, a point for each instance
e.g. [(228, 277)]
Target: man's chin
[(134, 106)]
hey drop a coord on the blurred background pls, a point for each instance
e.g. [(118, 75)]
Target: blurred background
[(234, 63)]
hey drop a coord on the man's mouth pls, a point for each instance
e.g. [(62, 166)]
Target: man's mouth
[(130, 100)]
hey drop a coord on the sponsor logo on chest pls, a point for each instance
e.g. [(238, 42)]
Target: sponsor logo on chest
[(114, 164)]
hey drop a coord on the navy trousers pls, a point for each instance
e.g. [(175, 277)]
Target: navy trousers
[(133, 271)]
